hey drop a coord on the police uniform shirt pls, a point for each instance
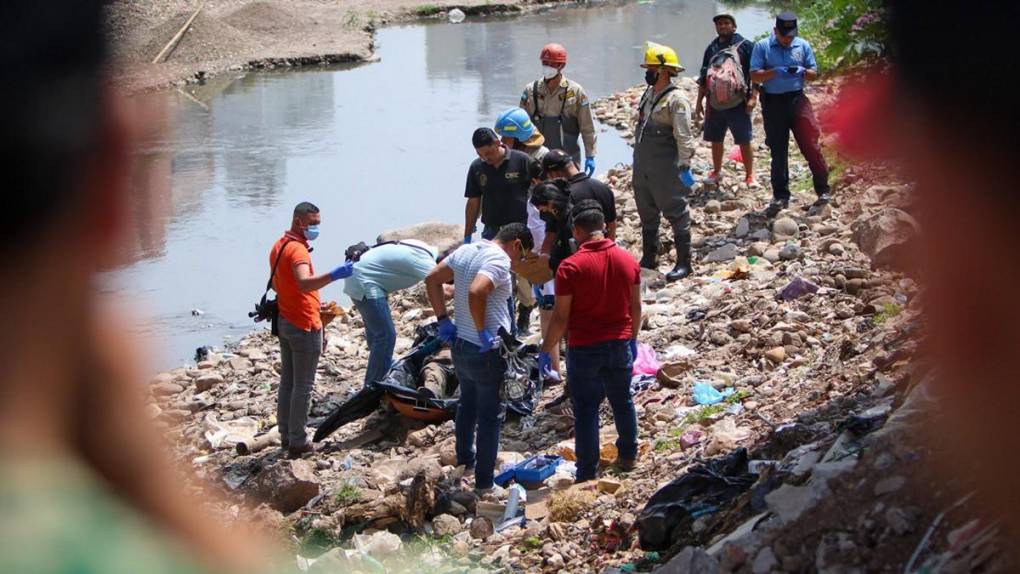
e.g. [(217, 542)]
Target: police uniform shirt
[(503, 188)]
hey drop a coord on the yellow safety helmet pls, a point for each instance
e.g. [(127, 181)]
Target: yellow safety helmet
[(659, 55)]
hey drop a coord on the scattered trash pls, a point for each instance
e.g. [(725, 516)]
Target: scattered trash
[(691, 437), (797, 288), (678, 352), (534, 470), (646, 363), (670, 512), (197, 312), (706, 394), (378, 544), (456, 16), (515, 506), (725, 437)]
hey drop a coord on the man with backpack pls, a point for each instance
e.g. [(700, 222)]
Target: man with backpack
[(725, 81), (783, 64), (379, 271)]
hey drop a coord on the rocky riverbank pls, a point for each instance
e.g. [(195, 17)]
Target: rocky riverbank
[(801, 317), (235, 35)]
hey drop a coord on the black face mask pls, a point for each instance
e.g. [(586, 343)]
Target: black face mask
[(651, 76)]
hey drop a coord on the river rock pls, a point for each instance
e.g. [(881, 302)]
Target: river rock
[(785, 227), (165, 389), (481, 528), (441, 235), (776, 354), (712, 206), (288, 485), (690, 560), (208, 381), (446, 525), (725, 253), (790, 251), (886, 236), (771, 254)]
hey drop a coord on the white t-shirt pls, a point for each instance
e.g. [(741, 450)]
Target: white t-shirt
[(482, 258)]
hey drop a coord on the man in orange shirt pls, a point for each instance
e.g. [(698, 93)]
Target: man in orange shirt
[(300, 328)]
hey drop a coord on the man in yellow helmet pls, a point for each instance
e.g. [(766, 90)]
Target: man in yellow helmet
[(663, 150)]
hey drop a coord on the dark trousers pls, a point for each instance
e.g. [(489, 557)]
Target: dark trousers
[(479, 409), (596, 372), (299, 358), (784, 113)]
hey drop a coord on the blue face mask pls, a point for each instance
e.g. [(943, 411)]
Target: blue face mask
[(311, 232)]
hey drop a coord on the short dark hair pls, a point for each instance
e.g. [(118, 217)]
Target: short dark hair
[(588, 215), (54, 56), (516, 231), (304, 208), (553, 191), (483, 137)]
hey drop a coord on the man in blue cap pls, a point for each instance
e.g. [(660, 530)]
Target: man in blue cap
[(782, 63)]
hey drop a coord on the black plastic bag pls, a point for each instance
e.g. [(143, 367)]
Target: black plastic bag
[(703, 490)]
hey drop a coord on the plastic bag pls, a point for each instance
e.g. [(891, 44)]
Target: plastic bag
[(646, 363), (705, 394), (517, 378)]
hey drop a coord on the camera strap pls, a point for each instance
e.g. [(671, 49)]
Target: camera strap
[(269, 284)]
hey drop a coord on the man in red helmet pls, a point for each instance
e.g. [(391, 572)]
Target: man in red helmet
[(559, 108)]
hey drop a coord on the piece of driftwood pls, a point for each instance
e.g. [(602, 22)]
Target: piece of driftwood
[(165, 52)]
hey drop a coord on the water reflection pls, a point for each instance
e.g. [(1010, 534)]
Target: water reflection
[(376, 146)]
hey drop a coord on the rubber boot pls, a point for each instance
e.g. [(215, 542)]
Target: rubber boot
[(524, 320), (649, 249), (683, 258)]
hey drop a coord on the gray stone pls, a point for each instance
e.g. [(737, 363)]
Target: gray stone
[(761, 235), (713, 206), (790, 251), (690, 560), (837, 249), (891, 484), (722, 254), (743, 227), (765, 561), (790, 502), (772, 254), (785, 227), (902, 520)]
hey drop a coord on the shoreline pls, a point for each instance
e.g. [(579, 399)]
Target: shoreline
[(242, 35), (806, 364)]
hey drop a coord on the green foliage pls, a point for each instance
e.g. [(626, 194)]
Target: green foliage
[(347, 494), (842, 33), (426, 10), (672, 439), (887, 312)]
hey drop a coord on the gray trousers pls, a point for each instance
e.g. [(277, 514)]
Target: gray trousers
[(299, 355), (658, 191)]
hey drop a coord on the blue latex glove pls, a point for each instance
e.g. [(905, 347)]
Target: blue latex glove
[(488, 341), (545, 367), (342, 272), (799, 72), (467, 239), (686, 177), (447, 330), (589, 165)]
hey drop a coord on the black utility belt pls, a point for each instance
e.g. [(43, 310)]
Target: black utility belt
[(782, 94)]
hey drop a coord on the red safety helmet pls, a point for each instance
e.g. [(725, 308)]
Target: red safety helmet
[(554, 54)]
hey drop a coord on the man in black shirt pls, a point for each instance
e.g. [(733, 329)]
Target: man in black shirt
[(557, 164), (735, 112), (497, 185)]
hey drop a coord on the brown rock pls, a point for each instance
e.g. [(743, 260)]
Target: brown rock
[(288, 485), (776, 355), (481, 528), (208, 381)]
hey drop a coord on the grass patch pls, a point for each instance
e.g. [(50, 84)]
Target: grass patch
[(530, 544), (347, 494), (425, 10), (887, 312), (672, 439)]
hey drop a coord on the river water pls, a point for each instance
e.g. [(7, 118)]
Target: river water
[(376, 146)]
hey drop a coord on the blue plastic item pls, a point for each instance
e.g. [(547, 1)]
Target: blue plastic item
[(705, 394), (531, 470)]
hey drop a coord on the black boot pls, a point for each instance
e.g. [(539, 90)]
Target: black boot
[(683, 258), (524, 320), (649, 249)]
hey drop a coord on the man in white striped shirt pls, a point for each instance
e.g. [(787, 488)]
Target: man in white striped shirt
[(481, 279)]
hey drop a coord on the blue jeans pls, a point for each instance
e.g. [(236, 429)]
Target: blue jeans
[(380, 334), (479, 375), (595, 372)]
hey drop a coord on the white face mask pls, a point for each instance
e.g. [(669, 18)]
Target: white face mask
[(549, 72)]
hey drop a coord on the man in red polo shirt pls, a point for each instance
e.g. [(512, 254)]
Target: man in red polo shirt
[(598, 304)]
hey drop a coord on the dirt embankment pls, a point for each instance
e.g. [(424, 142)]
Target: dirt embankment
[(244, 34)]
